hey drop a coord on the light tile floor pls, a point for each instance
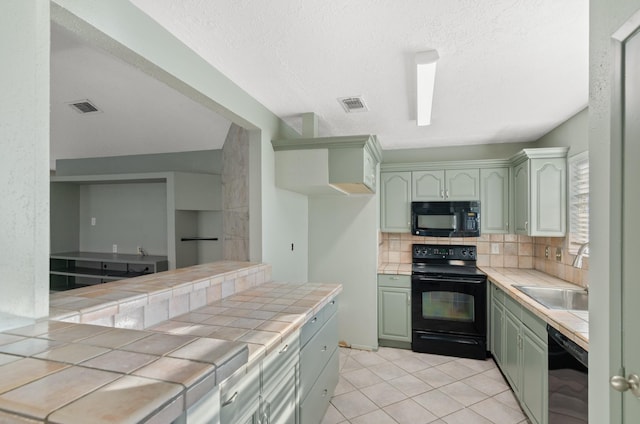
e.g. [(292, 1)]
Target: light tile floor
[(400, 386)]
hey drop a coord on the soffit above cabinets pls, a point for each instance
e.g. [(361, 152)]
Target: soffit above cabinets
[(328, 165)]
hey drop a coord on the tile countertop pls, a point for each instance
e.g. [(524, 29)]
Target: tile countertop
[(63, 372), (573, 324)]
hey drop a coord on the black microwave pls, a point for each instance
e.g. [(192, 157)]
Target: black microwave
[(445, 219)]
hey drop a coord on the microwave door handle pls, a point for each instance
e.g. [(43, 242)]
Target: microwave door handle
[(455, 222)]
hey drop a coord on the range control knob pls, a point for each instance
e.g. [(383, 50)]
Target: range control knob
[(464, 252)]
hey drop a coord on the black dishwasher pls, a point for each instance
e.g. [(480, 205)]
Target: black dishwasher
[(568, 380)]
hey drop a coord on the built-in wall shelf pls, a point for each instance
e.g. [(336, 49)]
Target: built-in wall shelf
[(69, 270)]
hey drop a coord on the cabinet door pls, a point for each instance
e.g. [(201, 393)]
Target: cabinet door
[(239, 397), (511, 360), (394, 314), (548, 197), (494, 200), (395, 202), (521, 192), (534, 376), (462, 184), (497, 326), (427, 185), (279, 406)]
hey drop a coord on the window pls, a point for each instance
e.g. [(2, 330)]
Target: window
[(578, 201)]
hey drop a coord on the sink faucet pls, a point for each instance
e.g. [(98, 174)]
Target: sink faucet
[(583, 250)]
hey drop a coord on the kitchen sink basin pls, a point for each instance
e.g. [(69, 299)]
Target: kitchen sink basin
[(558, 298)]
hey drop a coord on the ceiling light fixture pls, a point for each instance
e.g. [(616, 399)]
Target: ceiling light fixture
[(426, 78)]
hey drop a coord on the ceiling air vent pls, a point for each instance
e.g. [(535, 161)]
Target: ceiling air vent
[(83, 106), (353, 104)]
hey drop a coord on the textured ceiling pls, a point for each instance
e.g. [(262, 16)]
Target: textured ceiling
[(509, 71)]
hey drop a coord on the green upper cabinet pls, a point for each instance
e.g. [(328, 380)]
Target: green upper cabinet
[(494, 200), (450, 184), (427, 185), (395, 202), (540, 186)]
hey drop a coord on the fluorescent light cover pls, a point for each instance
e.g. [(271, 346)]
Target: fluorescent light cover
[(426, 78)]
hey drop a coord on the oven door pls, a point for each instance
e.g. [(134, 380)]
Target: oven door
[(452, 306)]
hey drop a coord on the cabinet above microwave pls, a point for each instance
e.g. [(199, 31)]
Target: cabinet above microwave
[(328, 165)]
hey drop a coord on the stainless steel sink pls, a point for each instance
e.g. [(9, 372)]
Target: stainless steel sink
[(558, 298)]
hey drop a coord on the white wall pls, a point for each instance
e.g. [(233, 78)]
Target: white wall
[(276, 217), (343, 248), (24, 162), (604, 346)]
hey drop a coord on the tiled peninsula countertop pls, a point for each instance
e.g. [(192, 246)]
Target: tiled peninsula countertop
[(573, 324), (148, 348)]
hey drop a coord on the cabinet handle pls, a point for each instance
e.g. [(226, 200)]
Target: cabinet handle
[(333, 302), (314, 319), (324, 348), (526, 225), (506, 226), (231, 399), (284, 349), (408, 300), (446, 193), (325, 392)]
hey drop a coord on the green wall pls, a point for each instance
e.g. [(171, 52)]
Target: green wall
[(573, 133)]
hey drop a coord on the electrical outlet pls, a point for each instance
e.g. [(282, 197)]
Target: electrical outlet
[(559, 254), (547, 252), (114, 248), (93, 221), (495, 248)]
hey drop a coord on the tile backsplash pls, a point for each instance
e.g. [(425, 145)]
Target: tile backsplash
[(495, 250)]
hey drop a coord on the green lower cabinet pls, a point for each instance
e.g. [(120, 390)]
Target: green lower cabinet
[(497, 322), (394, 319), (534, 376), (520, 348), (394, 310), (512, 362), (279, 406)]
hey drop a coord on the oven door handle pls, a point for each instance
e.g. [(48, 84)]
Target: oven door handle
[(447, 280)]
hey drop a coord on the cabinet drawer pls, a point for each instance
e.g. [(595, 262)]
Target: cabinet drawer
[(239, 396), (314, 406), (311, 327), (280, 361), (497, 293), (330, 309), (316, 353), (535, 324), (513, 306), (399, 281)]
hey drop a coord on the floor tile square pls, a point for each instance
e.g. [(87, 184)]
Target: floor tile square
[(409, 412), (410, 385), (438, 403), (383, 394), (465, 416), (378, 417), (353, 404), (362, 378), (463, 393), (496, 412), (388, 371)]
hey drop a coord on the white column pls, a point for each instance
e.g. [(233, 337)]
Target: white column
[(24, 159)]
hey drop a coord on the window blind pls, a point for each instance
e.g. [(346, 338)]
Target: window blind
[(578, 201)]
